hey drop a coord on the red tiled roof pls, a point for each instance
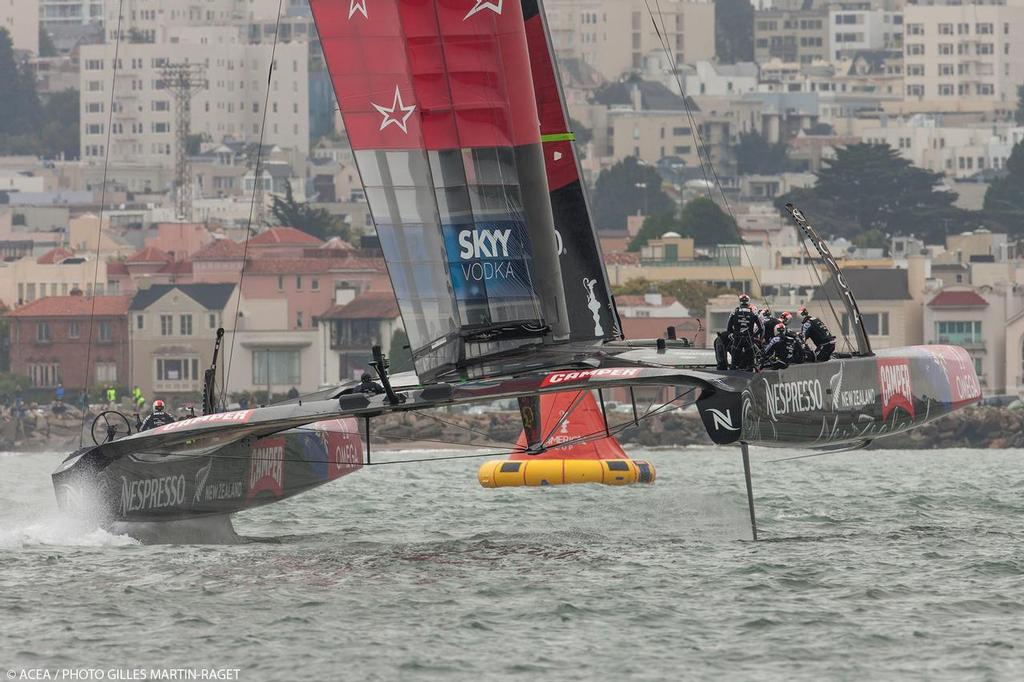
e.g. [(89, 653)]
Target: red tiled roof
[(178, 267), (284, 235), (337, 244), (957, 299), (370, 305), (117, 267), (54, 256), (311, 266), (220, 249), (637, 300), (622, 258), (74, 306), (150, 254)]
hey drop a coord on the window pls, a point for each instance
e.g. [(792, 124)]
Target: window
[(44, 374), (280, 283), (958, 332), (986, 48), (106, 373), (166, 325), (983, 29), (915, 29), (276, 367), (106, 330), (298, 283), (211, 321), (177, 369), (915, 69), (915, 91), (915, 49), (140, 321), (945, 89), (314, 284), (298, 319), (945, 48), (73, 330), (43, 332), (946, 29), (185, 325), (876, 324)]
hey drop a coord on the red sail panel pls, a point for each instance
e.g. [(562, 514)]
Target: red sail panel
[(573, 420), (429, 74)]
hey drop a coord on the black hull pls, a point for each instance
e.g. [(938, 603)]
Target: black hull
[(154, 486)]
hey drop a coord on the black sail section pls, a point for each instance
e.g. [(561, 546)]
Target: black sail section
[(592, 313)]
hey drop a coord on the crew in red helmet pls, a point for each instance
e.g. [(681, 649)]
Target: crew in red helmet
[(158, 417)]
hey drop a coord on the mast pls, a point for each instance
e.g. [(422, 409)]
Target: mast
[(849, 301)]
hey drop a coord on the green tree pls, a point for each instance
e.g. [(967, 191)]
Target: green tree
[(628, 188), (1019, 114), (59, 133), (46, 46), (400, 355), (1004, 199), (316, 221), (869, 186), (19, 108), (583, 134), (734, 31), (755, 155), (871, 239), (701, 219)]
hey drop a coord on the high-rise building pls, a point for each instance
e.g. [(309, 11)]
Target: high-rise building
[(21, 19), (614, 36), (55, 14), (855, 30), (800, 36), (963, 57)]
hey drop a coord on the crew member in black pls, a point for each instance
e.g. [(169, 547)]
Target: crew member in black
[(158, 417), (740, 338), (781, 351), (768, 322), (368, 385), (815, 330)]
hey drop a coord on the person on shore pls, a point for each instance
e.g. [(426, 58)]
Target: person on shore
[(815, 330), (158, 417), (111, 397), (138, 400)]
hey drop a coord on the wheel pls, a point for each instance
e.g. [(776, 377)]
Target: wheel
[(109, 426)]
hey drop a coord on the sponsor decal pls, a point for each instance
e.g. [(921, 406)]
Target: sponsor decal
[(266, 467), (959, 369), (401, 120), (151, 493), (483, 243), (897, 389), (237, 417), (556, 378), (593, 305), (218, 490), (722, 420), (489, 260), (481, 5), (792, 397), (849, 399), (342, 446)]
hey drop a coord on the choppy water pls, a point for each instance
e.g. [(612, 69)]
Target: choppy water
[(876, 565)]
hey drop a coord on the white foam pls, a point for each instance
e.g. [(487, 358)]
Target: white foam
[(59, 530)]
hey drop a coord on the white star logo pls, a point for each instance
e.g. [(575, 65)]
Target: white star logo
[(388, 114), (481, 5), (357, 6)]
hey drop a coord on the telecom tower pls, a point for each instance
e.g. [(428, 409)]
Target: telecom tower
[(183, 80)]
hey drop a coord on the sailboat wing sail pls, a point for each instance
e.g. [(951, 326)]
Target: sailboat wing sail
[(588, 296), (450, 157)]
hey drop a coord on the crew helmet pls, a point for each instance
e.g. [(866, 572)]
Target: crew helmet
[(786, 317), (744, 299), (803, 311), (780, 329), (158, 405)]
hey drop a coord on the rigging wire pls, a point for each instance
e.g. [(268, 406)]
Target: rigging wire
[(252, 206), (822, 288), (99, 228)]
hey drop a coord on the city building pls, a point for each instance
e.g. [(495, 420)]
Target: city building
[(172, 329), (58, 14), (962, 57), (974, 319), (352, 327), (614, 36), (854, 28), (800, 36), (49, 337), (21, 19), (890, 306)]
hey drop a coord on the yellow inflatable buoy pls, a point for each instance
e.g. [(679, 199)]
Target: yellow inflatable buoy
[(537, 472)]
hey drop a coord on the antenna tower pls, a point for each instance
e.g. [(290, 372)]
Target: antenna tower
[(183, 80)]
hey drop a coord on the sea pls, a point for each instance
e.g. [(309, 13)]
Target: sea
[(871, 565)]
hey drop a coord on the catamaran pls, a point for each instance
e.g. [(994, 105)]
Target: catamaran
[(461, 137)]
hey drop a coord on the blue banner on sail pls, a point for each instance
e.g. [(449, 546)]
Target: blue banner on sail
[(489, 261)]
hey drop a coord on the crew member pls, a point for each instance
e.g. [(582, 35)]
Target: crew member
[(740, 337), (768, 322), (137, 398), (815, 330), (780, 351), (158, 417), (368, 385)]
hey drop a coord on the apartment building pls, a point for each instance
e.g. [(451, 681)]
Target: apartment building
[(857, 29), (963, 58), (613, 36), (56, 14), (800, 36), (21, 19)]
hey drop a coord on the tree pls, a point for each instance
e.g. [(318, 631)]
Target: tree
[(400, 355), (316, 221), (755, 155), (583, 134), (1007, 192), (869, 186), (701, 219), (734, 31), (46, 46), (19, 107), (872, 239), (59, 133), (1019, 114), (628, 188)]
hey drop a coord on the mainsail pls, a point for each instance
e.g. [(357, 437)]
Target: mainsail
[(450, 156), (592, 313)]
